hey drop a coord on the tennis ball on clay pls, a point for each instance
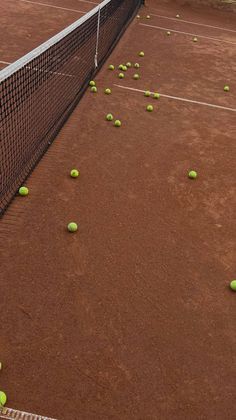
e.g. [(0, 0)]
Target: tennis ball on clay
[(120, 67), (74, 173), (147, 93), (3, 398), (168, 33), (138, 16), (233, 285), (149, 108), (94, 89), (156, 95), (192, 174), (107, 91), (137, 65), (111, 67), (72, 227), (177, 16), (121, 75), (128, 65), (148, 17), (226, 88), (195, 39), (141, 54), (117, 123), (136, 76), (109, 117), (92, 83), (125, 68), (23, 191)]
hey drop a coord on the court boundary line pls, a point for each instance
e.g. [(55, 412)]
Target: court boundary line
[(55, 7), (178, 98), (193, 23), (4, 62), (188, 33)]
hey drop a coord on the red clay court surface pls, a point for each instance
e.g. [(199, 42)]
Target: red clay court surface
[(132, 316)]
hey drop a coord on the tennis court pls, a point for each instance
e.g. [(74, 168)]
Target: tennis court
[(131, 317)]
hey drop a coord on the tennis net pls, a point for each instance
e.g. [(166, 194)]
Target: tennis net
[(39, 91)]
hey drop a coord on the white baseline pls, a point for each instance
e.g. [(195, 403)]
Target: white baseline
[(194, 23), (55, 7), (177, 98), (187, 33)]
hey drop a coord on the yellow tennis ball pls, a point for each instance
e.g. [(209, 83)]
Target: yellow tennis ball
[(117, 123), (141, 54), (3, 398), (92, 83), (233, 285), (23, 191), (192, 174), (149, 108), (74, 173), (72, 227)]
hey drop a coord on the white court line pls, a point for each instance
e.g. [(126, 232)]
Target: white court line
[(55, 7), (43, 71), (188, 33), (177, 98), (193, 23), (87, 1)]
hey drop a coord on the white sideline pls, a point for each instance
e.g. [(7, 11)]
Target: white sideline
[(55, 7), (177, 98), (4, 62), (187, 33), (193, 23)]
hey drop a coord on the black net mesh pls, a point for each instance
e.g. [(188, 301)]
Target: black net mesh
[(38, 97)]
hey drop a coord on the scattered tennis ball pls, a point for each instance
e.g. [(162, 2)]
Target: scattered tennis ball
[(107, 91), (156, 95), (192, 174), (233, 285), (23, 191), (74, 173), (3, 398), (72, 227), (92, 83), (117, 123), (125, 68), (94, 89), (177, 16), (226, 88), (120, 67), (147, 93), (136, 65), (141, 54), (111, 67), (109, 117), (195, 39), (149, 108), (136, 76), (121, 75), (168, 33), (128, 65), (148, 17)]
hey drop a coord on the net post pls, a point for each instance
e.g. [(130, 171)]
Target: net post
[(97, 40)]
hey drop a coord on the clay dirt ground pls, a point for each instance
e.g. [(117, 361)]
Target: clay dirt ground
[(132, 316)]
